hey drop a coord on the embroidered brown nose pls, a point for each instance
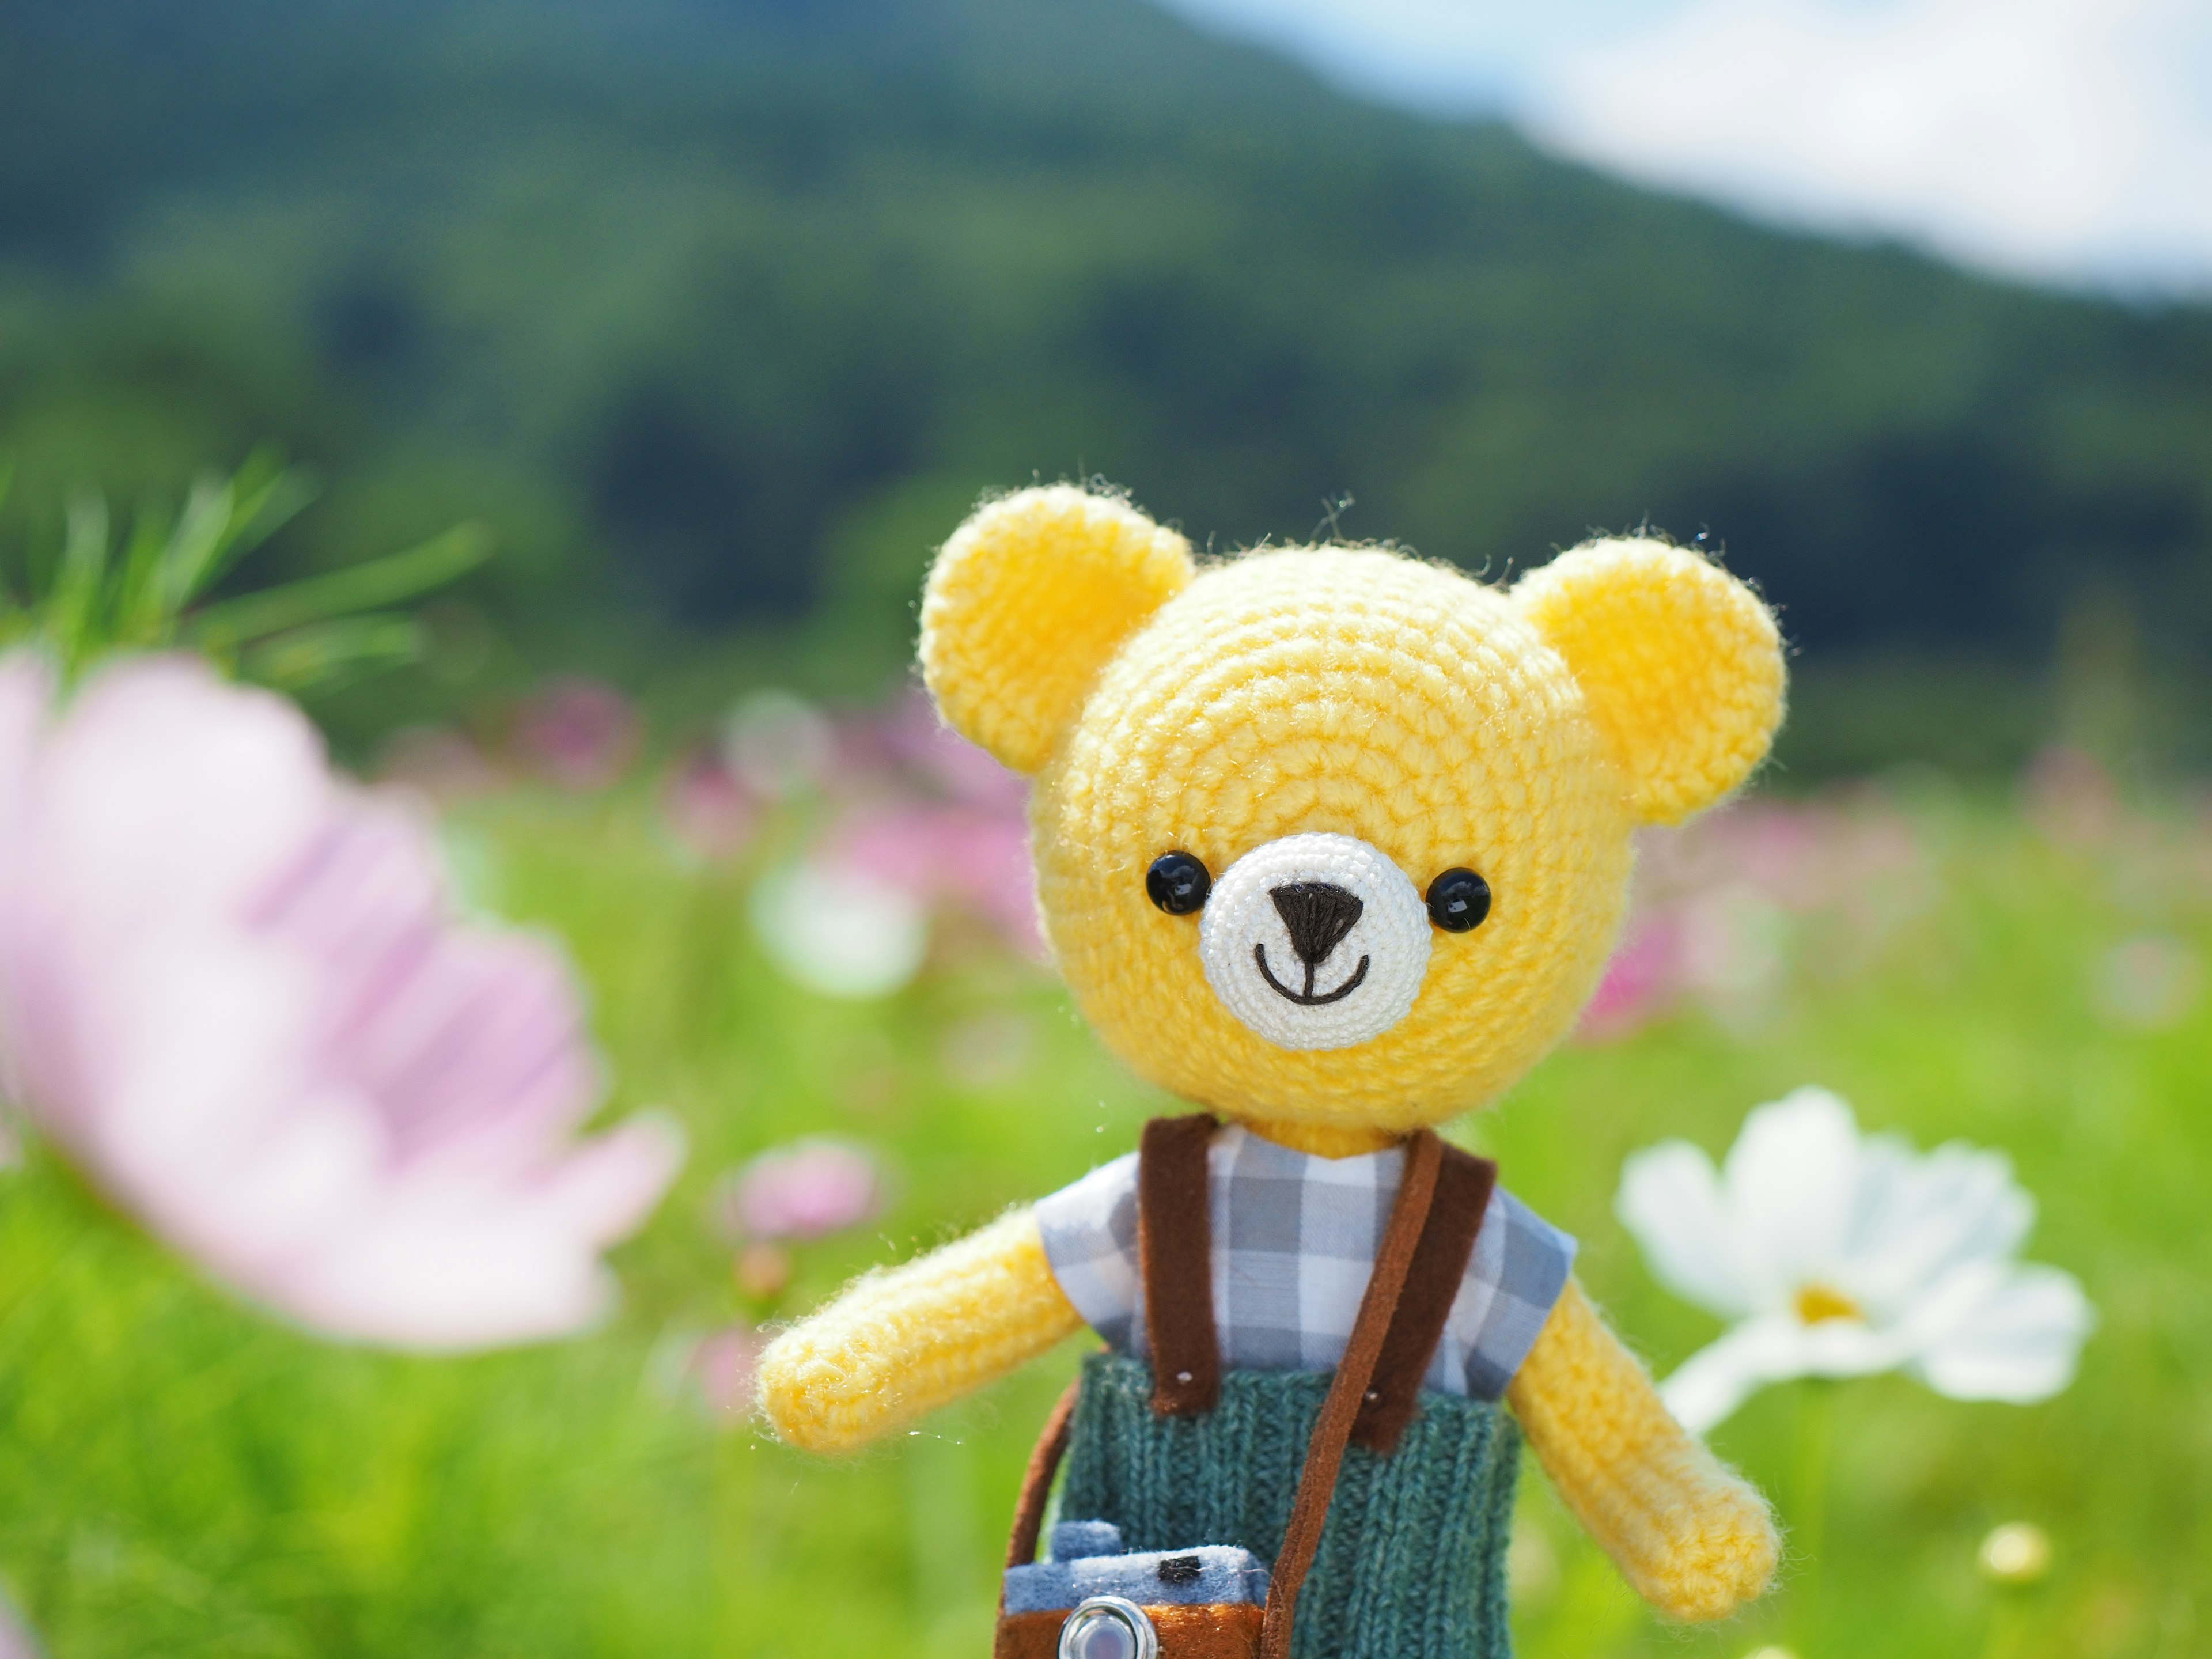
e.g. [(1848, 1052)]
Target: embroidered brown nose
[(1317, 916)]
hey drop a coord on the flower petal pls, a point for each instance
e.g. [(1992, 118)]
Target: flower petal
[(843, 932), (2019, 1342), (1772, 1348), (165, 790), (1790, 1181), (1918, 1218), (232, 987), (1706, 1389), (447, 1262), (1670, 1202), (470, 1033), (183, 1074), (604, 1190), (26, 690)]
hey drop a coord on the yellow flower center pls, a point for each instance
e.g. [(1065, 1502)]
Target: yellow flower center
[(1818, 1301)]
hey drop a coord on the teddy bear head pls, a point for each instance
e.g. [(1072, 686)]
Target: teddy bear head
[(1330, 837)]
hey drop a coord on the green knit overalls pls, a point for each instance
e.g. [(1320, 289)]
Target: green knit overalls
[(1411, 1560)]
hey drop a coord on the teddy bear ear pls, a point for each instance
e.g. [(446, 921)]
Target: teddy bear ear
[(1027, 603), (1682, 664)]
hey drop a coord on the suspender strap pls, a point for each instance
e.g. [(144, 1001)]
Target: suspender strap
[(1175, 1255), (1332, 1428), (1463, 1187)]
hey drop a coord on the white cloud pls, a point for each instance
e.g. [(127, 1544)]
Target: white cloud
[(1449, 57), (2059, 139)]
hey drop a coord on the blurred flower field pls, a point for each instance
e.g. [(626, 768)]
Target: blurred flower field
[(180, 1473)]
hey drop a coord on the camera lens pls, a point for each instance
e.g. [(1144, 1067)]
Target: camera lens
[(1108, 1627), (1102, 1636)]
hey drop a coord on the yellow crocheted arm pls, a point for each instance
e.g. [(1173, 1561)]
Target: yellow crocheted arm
[(902, 1341), (1695, 1540)]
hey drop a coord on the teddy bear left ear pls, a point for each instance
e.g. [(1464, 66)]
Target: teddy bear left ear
[(1027, 603), (1682, 664)]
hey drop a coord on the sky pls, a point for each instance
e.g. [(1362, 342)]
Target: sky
[(2065, 142)]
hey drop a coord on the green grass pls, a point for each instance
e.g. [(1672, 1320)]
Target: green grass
[(180, 1475)]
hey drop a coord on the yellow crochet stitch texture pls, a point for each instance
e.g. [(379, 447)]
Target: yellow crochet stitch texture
[(1360, 693), (1680, 663), (901, 1342), (1026, 601), (1695, 1540), (1354, 691)]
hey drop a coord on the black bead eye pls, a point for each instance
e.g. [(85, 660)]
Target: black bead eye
[(1178, 883), (1458, 901)]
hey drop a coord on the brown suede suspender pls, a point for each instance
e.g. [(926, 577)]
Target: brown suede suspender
[(1174, 1256), (1463, 1187)]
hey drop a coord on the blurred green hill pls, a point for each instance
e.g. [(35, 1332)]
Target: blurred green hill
[(722, 311)]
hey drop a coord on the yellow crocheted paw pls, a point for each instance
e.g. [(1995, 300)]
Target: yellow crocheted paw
[(1692, 1538), (1725, 1555), (902, 1341), (1680, 662), (1025, 602)]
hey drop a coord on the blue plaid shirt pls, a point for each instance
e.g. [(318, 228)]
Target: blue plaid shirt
[(1294, 1237)]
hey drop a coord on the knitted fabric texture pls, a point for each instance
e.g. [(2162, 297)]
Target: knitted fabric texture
[(901, 1343), (1682, 665), (1693, 1539), (1315, 942), (1027, 600), (1352, 693), (1412, 1563)]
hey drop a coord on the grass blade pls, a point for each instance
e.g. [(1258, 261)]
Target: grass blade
[(194, 546), (266, 495), (70, 608), (442, 560), (321, 654), (137, 609)]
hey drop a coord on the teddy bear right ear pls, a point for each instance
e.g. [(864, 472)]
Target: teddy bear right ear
[(1027, 603), (1682, 664)]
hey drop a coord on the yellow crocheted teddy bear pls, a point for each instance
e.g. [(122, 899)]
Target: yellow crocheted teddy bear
[(1332, 842)]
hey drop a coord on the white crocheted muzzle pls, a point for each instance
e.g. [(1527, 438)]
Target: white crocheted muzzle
[(1314, 941)]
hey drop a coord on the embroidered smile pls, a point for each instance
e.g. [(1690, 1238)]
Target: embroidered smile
[(1306, 998)]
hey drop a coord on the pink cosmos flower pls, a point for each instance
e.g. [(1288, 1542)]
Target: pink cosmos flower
[(232, 988), (931, 814), (708, 807), (976, 860), (437, 763), (923, 824), (579, 734), (1728, 908), (1641, 982), (804, 1190)]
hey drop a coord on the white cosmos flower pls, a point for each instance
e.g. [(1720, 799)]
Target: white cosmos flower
[(1835, 1254), (838, 931)]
